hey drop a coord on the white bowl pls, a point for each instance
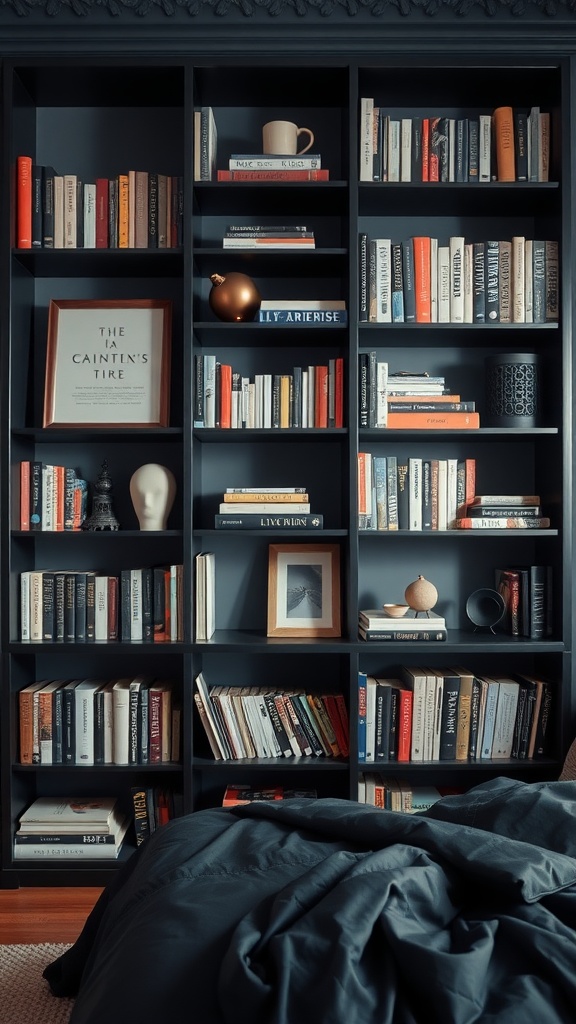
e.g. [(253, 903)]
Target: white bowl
[(395, 611)]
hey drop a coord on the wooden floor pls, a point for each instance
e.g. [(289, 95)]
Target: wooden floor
[(31, 915)]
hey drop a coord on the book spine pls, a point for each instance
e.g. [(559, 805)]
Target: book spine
[(254, 521), (275, 175), (404, 634), (504, 523), (24, 202), (434, 420), (302, 316)]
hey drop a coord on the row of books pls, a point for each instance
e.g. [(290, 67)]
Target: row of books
[(528, 599), (425, 280), (397, 794), (413, 493), (281, 236), (234, 795), (142, 604), (133, 720), (427, 714), (133, 210), (92, 828), (264, 722), (510, 144), (310, 396), (154, 806), (51, 497), (402, 401)]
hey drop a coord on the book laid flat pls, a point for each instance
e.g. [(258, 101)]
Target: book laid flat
[(318, 174), (423, 635), (256, 521), (504, 523)]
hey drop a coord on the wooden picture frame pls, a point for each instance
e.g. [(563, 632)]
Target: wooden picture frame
[(303, 590), (108, 363)]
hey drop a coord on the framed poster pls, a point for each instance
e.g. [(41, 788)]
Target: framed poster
[(108, 363), (304, 590)]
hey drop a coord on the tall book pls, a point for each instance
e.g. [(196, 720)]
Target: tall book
[(504, 137)]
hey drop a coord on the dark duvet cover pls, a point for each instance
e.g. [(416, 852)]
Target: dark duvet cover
[(330, 912)]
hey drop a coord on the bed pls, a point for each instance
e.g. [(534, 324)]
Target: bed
[(330, 912)]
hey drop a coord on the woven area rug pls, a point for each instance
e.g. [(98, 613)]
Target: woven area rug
[(25, 996)]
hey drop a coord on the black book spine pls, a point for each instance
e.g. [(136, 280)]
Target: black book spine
[(99, 727), (382, 730), (143, 725), (479, 282), (473, 149), (79, 213), (309, 732), (59, 588), (492, 276), (281, 734), (363, 277), (363, 389), (147, 605), (48, 606), (125, 603), (521, 144), (537, 601), (462, 149), (68, 727), (426, 494), (70, 607), (443, 154), (403, 495), (474, 719), (57, 726), (48, 207), (152, 210), (416, 150), (80, 606), (408, 278), (393, 731), (37, 207)]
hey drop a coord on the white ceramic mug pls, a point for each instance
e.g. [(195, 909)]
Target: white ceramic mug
[(282, 137)]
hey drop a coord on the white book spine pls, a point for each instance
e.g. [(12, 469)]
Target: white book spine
[(406, 149), (442, 494), (366, 136), (434, 280), (136, 604), (101, 608), (384, 280), (443, 276), (505, 282), (209, 391), (47, 498), (381, 394), (468, 283), (89, 216), (518, 279), (121, 733), (505, 719), (484, 146), (70, 234), (84, 722), (451, 493), (456, 247), (58, 211), (25, 605), (36, 605), (415, 493), (393, 150)]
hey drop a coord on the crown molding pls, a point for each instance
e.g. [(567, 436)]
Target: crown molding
[(378, 9)]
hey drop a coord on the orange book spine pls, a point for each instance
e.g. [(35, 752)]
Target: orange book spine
[(225, 395), (503, 121), (362, 509), (469, 481), (25, 495), (433, 152), (26, 724), (285, 400), (433, 420), (321, 397), (422, 291), (59, 490), (24, 202)]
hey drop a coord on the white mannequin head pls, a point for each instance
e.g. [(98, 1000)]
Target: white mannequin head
[(152, 489)]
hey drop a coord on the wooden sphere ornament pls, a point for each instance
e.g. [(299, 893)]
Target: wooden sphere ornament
[(234, 297), (421, 595)]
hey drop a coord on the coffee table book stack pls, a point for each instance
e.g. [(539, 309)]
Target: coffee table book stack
[(60, 828), (267, 508), (377, 625)]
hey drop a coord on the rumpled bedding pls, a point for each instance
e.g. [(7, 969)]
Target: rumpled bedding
[(330, 912)]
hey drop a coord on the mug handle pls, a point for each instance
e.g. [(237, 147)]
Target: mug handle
[(311, 142)]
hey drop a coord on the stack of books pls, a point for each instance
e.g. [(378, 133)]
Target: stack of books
[(374, 624), (71, 828), (265, 722), (404, 401), (276, 508), (504, 512), (276, 167), (302, 312), (268, 236)]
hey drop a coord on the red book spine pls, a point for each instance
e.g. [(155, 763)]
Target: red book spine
[(24, 202), (59, 489), (102, 213), (433, 151), (425, 147), (321, 397), (404, 725), (422, 279), (339, 393), (155, 726), (319, 174), (112, 607)]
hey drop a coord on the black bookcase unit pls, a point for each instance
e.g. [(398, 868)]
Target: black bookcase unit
[(103, 113)]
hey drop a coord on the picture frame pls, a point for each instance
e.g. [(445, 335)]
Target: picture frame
[(304, 590), (108, 363)]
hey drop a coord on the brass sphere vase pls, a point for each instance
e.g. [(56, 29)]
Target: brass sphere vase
[(234, 297)]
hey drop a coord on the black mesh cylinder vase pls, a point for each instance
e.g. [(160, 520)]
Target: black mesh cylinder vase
[(512, 390)]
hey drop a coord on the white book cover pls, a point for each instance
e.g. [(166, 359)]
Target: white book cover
[(101, 608), (484, 147), (80, 813), (70, 233), (47, 497), (84, 720), (434, 280), (505, 718), (381, 394), (415, 493), (442, 494), (36, 604), (468, 283), (136, 604), (25, 605), (456, 247), (58, 211), (384, 280), (518, 279), (121, 716), (210, 561), (366, 138), (200, 597), (489, 718), (89, 215), (443, 277), (393, 150), (406, 149), (451, 493)]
